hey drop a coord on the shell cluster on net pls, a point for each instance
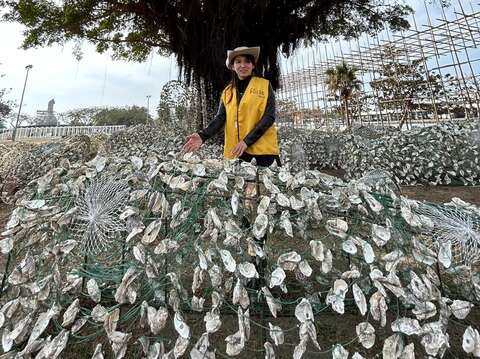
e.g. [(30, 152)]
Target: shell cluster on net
[(144, 250)]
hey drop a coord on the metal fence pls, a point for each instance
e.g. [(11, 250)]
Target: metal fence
[(57, 131)]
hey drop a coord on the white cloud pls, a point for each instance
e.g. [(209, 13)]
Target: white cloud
[(96, 80)]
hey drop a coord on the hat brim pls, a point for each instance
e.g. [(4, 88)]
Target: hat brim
[(231, 54)]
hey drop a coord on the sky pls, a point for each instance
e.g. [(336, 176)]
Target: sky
[(322, 54), (97, 80)]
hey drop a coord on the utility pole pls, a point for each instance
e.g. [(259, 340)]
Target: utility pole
[(28, 67)]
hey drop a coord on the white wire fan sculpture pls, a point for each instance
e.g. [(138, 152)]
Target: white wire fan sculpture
[(453, 231), (97, 225)]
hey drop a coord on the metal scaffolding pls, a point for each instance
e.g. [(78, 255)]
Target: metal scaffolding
[(430, 73)]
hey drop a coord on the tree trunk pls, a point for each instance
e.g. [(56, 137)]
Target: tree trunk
[(199, 98), (212, 97), (347, 115), (405, 116), (402, 121)]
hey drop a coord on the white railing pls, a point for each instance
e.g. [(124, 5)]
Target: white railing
[(57, 131)]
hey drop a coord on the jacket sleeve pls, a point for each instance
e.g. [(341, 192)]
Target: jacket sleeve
[(216, 124), (265, 122)]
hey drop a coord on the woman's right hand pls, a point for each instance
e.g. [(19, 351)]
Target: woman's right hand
[(194, 142)]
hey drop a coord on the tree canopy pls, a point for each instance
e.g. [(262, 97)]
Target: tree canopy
[(198, 32), (128, 116), (97, 116), (407, 87), (81, 116), (6, 106)]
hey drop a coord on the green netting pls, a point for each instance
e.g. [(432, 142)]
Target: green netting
[(79, 248)]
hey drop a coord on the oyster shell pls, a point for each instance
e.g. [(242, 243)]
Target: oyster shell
[(337, 227), (471, 341), (260, 226), (303, 311), (157, 319), (248, 270), (181, 327), (277, 277), (360, 299), (380, 235), (276, 333), (366, 334)]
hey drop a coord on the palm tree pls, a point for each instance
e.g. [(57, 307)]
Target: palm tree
[(342, 82)]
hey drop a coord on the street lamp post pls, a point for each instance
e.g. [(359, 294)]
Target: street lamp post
[(28, 67)]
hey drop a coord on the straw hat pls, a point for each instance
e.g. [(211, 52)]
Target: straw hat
[(242, 50)]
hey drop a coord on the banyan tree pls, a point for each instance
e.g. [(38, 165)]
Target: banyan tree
[(198, 32)]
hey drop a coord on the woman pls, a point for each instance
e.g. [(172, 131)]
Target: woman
[(246, 110)]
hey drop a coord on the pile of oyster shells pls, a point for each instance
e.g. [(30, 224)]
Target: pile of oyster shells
[(10, 154), (371, 131), (161, 139), (313, 148), (153, 256), (324, 149), (443, 154), (22, 162), (141, 139)]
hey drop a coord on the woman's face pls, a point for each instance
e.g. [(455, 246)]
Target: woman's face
[(242, 66)]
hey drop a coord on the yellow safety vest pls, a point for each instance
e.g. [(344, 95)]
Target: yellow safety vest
[(243, 117)]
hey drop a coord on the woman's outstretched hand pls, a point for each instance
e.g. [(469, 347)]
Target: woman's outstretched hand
[(194, 142), (239, 149)]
